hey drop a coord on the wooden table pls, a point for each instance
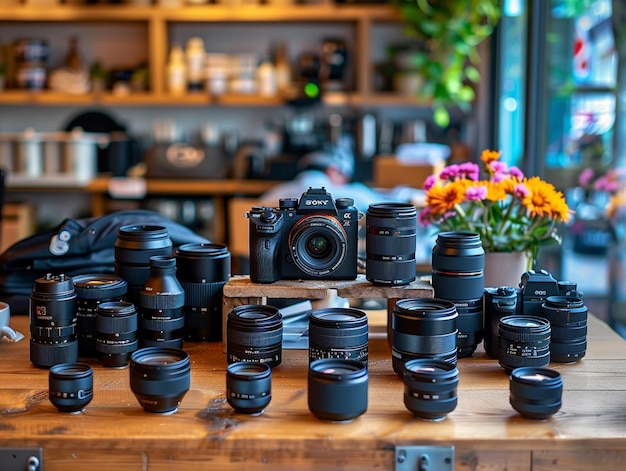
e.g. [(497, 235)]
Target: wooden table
[(113, 432)]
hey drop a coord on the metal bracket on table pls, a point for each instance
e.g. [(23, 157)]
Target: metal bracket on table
[(424, 458), (21, 459)]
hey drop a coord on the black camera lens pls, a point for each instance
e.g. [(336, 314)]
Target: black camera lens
[(536, 392), (70, 386), (338, 333), (134, 246), (248, 387), (159, 378), (52, 310), (390, 241), (523, 341), (203, 269), (423, 328), (116, 333), (498, 302), (430, 388), (91, 290), (568, 321), (337, 389), (161, 302), (254, 333)]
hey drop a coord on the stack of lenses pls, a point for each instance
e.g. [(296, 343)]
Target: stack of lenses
[(161, 301), (338, 333), (423, 328), (52, 310), (203, 269), (116, 333), (91, 290), (458, 262), (568, 321), (523, 341)]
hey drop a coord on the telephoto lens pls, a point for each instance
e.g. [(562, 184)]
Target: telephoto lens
[(458, 262), (336, 332), (91, 290), (568, 322), (248, 387), (430, 388), (337, 389), (134, 246), (203, 269), (159, 378), (254, 333), (390, 242), (161, 303), (536, 392), (498, 302), (523, 341), (116, 333), (423, 328), (52, 310), (70, 386)]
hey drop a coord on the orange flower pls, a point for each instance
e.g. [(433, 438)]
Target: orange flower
[(544, 200), (489, 156), (496, 191), (441, 199)]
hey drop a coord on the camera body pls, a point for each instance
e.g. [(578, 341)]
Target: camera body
[(313, 238)]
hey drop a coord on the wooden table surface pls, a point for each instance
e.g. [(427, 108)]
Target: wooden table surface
[(113, 432)]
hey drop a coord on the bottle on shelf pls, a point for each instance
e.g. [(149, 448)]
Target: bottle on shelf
[(176, 71), (267, 84), (195, 58), (283, 69)]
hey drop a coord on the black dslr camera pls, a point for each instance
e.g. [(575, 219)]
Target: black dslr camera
[(314, 238)]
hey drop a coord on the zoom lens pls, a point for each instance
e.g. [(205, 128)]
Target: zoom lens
[(523, 341), (248, 387), (91, 290), (390, 241), (70, 386), (203, 269), (430, 388), (568, 321), (159, 378), (52, 311), (116, 333), (254, 333), (536, 392), (338, 333), (423, 328), (337, 389)]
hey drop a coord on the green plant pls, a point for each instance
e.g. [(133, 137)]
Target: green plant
[(450, 32)]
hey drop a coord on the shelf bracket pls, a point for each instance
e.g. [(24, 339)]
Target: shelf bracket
[(21, 459), (424, 458)]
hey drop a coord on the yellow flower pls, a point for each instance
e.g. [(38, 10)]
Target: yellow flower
[(496, 191), (544, 200), (443, 198), (489, 156)]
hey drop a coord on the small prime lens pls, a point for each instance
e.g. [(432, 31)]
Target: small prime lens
[(52, 310), (423, 328), (338, 333), (254, 333), (568, 321), (116, 333), (390, 242), (159, 378), (91, 290), (536, 392), (498, 302), (70, 386), (430, 388), (203, 269), (248, 387), (523, 341), (337, 389)]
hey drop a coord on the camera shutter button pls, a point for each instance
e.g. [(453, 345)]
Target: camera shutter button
[(268, 216)]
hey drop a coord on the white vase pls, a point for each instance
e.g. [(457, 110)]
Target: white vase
[(505, 268)]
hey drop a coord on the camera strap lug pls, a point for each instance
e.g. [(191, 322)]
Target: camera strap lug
[(21, 459), (424, 458)]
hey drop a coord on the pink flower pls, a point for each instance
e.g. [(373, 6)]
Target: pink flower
[(498, 167), (423, 218), (520, 191), (469, 170), (515, 172), (476, 193), (586, 176), (606, 184), (429, 182), (450, 172), (499, 176)]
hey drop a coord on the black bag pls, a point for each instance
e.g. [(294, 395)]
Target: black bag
[(74, 247)]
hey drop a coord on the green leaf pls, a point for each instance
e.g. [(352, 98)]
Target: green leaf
[(472, 74), (441, 117)]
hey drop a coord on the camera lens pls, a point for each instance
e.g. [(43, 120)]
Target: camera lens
[(203, 269), (318, 244), (523, 341), (248, 387), (161, 304), (159, 378), (116, 333), (568, 321), (134, 246), (337, 389), (430, 388), (458, 262), (338, 333), (254, 333), (498, 303), (70, 386), (91, 290), (390, 241), (423, 328), (52, 310), (536, 392)]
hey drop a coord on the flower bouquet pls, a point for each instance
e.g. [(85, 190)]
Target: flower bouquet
[(509, 211)]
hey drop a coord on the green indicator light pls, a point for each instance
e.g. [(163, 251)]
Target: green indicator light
[(311, 90)]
